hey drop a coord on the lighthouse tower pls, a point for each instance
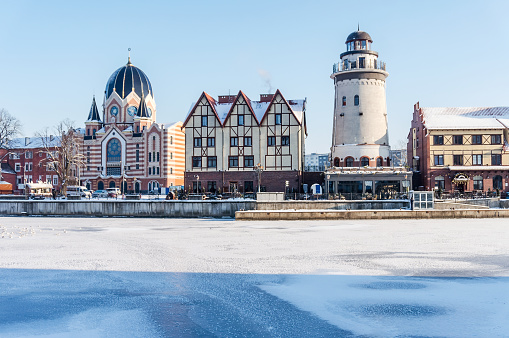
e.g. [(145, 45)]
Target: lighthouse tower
[(360, 137)]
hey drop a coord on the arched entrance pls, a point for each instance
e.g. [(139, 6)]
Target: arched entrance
[(497, 182), (124, 187), (100, 185), (112, 184), (336, 161), (137, 187)]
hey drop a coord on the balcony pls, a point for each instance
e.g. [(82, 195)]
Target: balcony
[(352, 66)]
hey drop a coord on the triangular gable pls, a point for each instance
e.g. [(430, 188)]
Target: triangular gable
[(248, 102), (286, 102), (212, 104), (114, 128)]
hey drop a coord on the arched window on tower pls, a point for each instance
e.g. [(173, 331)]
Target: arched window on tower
[(356, 100), (364, 161), (336, 161), (344, 100), (349, 162), (379, 162)]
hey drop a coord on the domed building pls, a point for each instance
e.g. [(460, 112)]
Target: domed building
[(123, 145)]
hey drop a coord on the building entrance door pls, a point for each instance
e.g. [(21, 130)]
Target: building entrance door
[(234, 187)]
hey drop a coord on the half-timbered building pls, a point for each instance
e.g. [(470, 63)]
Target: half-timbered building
[(228, 138)]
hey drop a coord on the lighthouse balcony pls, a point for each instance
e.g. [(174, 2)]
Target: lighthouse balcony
[(352, 66)]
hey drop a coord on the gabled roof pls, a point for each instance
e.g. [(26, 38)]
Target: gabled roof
[(465, 117), (248, 102), (297, 104), (212, 104), (93, 115), (34, 142), (7, 169)]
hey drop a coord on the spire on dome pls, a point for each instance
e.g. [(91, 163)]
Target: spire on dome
[(142, 109), (93, 116), (129, 58)]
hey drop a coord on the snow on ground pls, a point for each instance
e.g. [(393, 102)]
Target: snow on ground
[(379, 278)]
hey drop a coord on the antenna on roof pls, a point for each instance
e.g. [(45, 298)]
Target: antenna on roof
[(358, 27), (129, 59)]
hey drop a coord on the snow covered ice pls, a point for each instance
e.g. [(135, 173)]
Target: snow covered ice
[(97, 277)]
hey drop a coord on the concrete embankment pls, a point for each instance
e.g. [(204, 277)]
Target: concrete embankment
[(273, 215)]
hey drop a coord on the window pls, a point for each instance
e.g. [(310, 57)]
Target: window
[(29, 154), (285, 140), (114, 151), (439, 182), (212, 186), (356, 100), (234, 141), (150, 157), (211, 141), (379, 162), (438, 139), (349, 162), (496, 159), (497, 182), (171, 139), (137, 155), (362, 61), (476, 139), (196, 162), (344, 101), (458, 159), (19, 179), (477, 159), (364, 161), (48, 178), (271, 140), (496, 139), (17, 167), (55, 180), (457, 139), (477, 182), (438, 159), (204, 121), (157, 156), (212, 161), (150, 170), (354, 64), (233, 161), (248, 141), (278, 118), (137, 166), (171, 171), (171, 156), (40, 153), (248, 186), (157, 170), (248, 161), (240, 120), (197, 142)]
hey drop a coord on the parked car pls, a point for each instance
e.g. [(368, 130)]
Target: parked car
[(74, 190), (113, 192), (99, 194)]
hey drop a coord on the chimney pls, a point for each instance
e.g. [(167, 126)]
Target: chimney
[(226, 98), (266, 97)]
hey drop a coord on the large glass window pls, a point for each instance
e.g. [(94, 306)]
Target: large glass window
[(364, 161), (233, 161), (458, 159), (457, 139), (497, 182), (438, 159), (196, 161), (477, 182), (476, 139), (349, 162), (477, 159), (248, 161), (438, 139), (496, 159), (114, 151)]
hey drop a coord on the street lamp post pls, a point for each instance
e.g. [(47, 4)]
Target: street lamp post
[(197, 182)]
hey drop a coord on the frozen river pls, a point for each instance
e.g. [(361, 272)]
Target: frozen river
[(118, 277)]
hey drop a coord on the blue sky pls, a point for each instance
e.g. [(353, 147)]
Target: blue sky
[(55, 55)]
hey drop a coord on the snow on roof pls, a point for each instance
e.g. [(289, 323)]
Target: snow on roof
[(222, 110), (7, 169), (34, 142), (128, 129), (466, 117), (259, 108), (298, 108), (102, 130)]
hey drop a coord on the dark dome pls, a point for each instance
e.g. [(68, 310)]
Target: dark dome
[(358, 35), (126, 79)]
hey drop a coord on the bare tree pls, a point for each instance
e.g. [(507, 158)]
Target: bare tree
[(63, 153), (10, 127)]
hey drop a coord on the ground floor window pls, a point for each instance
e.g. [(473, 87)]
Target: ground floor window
[(100, 185), (350, 187), (477, 182), (497, 182), (196, 187), (368, 185), (212, 186), (137, 187), (248, 186), (439, 182)]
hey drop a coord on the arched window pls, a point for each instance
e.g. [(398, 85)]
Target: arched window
[(114, 151), (112, 184), (364, 161), (93, 132), (137, 187), (497, 182), (100, 185), (439, 183), (379, 162), (349, 162), (336, 161), (356, 100), (88, 132), (124, 187), (344, 100)]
